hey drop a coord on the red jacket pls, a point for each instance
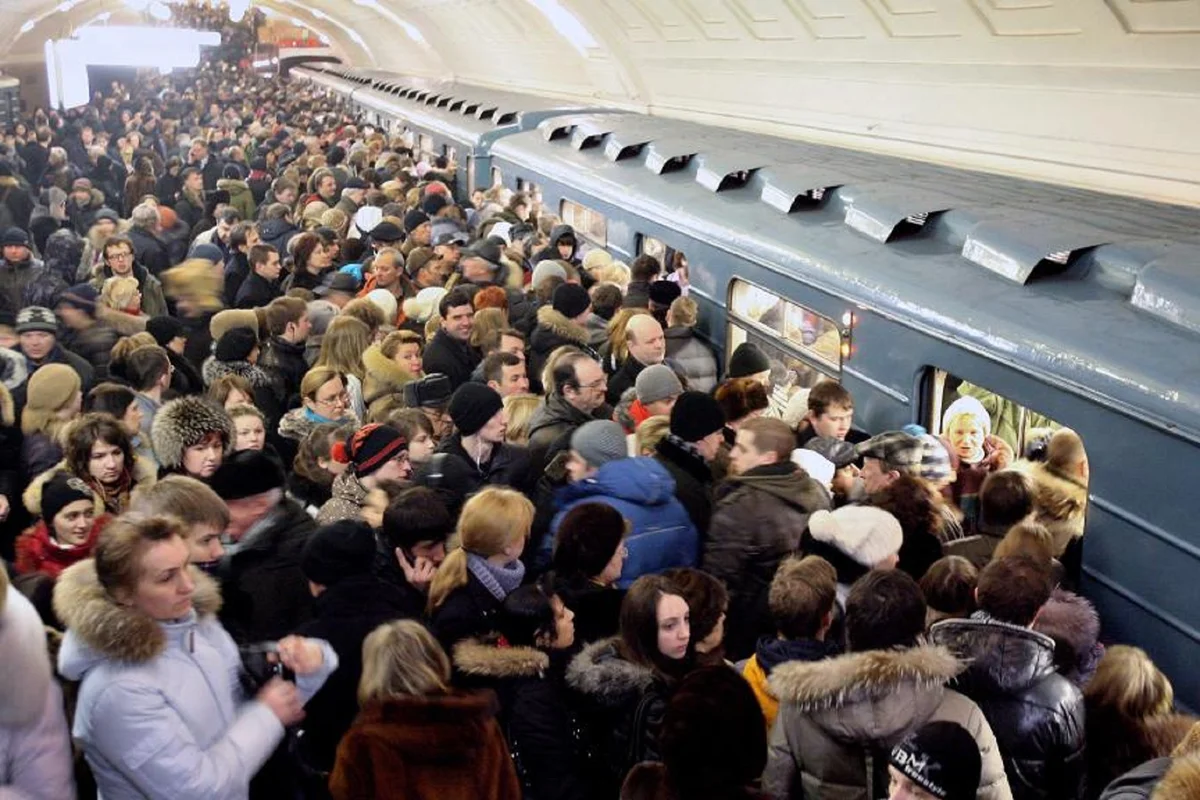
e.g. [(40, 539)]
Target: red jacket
[(36, 552)]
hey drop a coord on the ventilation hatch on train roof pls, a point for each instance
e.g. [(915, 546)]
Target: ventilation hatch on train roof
[(558, 127), (1018, 244), (590, 131), (885, 211), (788, 187), (668, 155), (719, 170), (1169, 288)]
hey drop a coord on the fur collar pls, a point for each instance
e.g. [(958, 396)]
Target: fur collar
[(556, 323), (854, 677), (600, 672), (1182, 781), (383, 371), (212, 369), (113, 630), (32, 497), (472, 657), (1055, 495)]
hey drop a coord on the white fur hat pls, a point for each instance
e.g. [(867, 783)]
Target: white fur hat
[(866, 534), (820, 468), (385, 301), (967, 405)]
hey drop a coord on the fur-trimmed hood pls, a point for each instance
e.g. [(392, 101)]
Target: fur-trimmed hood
[(383, 375), (26, 660), (559, 325), (296, 425), (145, 474), (600, 673), (212, 370), (108, 631), (1057, 496), (479, 660), (184, 422)]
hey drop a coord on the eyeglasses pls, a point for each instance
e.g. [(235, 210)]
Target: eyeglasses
[(597, 384), (120, 257), (341, 400)]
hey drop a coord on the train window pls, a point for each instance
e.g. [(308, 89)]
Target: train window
[(497, 177), (471, 182), (1021, 428), (587, 222), (789, 373), (813, 335), (649, 246), (424, 145)]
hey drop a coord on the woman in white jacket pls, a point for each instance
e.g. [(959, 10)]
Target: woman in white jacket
[(161, 712)]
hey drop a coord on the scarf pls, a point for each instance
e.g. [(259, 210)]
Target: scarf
[(500, 580), (117, 497)]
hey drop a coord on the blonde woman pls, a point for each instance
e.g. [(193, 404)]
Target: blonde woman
[(416, 732), (342, 348), (324, 398), (473, 581), (122, 294), (520, 409), (1130, 716)]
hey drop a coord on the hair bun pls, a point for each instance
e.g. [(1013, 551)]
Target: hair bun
[(339, 453)]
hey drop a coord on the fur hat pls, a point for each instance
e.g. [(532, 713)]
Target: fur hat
[(184, 422), (224, 321), (51, 387), (236, 344), (866, 534), (385, 301), (740, 397), (747, 360), (425, 304), (695, 416), (247, 473), (472, 406), (596, 258), (571, 300), (546, 269)]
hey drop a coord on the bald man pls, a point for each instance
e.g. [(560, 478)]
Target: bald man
[(647, 346)]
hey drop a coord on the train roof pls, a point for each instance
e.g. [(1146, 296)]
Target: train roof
[(1098, 293), (466, 113)]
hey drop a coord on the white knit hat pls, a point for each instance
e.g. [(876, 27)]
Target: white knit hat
[(967, 405), (866, 534), (819, 468), (385, 301)]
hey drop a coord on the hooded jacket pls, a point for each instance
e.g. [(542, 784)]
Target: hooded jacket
[(1037, 715), (240, 196), (622, 705), (35, 747), (161, 712), (437, 747), (534, 714), (693, 358), (550, 251), (772, 651), (384, 377), (839, 718), (757, 521), (553, 331), (348, 498), (661, 535)]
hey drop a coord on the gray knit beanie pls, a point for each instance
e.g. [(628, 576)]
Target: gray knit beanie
[(657, 382), (599, 442)]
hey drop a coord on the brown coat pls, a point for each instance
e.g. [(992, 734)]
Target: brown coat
[(426, 748)]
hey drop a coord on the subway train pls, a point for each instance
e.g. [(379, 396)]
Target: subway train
[(900, 279)]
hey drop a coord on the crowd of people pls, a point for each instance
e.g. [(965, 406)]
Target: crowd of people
[(322, 480)]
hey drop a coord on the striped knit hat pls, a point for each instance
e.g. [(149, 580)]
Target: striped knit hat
[(369, 448)]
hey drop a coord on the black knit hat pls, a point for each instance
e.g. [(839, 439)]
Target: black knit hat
[(59, 492), (247, 473), (164, 329), (696, 415), (415, 219), (369, 448), (571, 300), (663, 293), (747, 360), (942, 758), (335, 552), (235, 344), (472, 405)]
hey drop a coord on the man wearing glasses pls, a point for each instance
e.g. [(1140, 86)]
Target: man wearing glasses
[(119, 263)]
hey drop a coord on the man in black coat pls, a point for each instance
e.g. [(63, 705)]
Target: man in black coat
[(647, 345), (350, 603), (450, 351), (283, 355), (265, 593), (262, 284), (696, 434), (149, 249)]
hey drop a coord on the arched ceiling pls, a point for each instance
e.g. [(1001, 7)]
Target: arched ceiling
[(1102, 93)]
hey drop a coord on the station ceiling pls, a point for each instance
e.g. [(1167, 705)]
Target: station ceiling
[(1099, 93)]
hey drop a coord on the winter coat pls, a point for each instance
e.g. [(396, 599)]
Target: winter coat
[(285, 363), (550, 251), (154, 301), (1116, 744), (277, 233), (757, 522), (597, 608), (1037, 715), (347, 501), (661, 535), (623, 379), (651, 781), (508, 466), (693, 481), (551, 427), (470, 610), (343, 615), (38, 552), (436, 747), (839, 718), (150, 251), (621, 706), (1059, 503), (161, 711), (552, 332), (57, 355), (82, 216), (39, 453), (264, 388), (145, 474), (266, 593), (16, 204), (35, 746), (240, 196), (94, 345), (534, 715), (384, 377), (693, 357), (18, 285), (237, 269), (770, 652), (1139, 783), (255, 291), (452, 358), (1074, 625)]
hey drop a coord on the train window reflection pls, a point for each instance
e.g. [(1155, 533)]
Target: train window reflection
[(790, 374), (497, 177), (815, 335), (424, 145), (587, 222), (649, 246)]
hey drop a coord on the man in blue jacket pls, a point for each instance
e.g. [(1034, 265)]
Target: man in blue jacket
[(661, 534)]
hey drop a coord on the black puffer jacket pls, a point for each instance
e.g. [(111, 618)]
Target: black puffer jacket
[(1036, 714), (534, 714), (508, 466), (454, 359), (621, 705)]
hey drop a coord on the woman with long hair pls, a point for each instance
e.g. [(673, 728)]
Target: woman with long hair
[(342, 348), (161, 710), (416, 732), (473, 581)]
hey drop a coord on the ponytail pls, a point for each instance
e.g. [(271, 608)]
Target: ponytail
[(449, 576)]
